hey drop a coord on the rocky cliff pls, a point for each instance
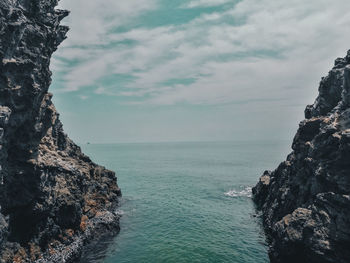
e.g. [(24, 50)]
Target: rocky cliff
[(305, 202), (53, 198)]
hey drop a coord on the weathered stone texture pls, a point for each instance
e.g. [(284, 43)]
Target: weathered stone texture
[(52, 197), (306, 200)]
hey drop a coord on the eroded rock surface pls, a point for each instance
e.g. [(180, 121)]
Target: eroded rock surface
[(305, 202), (53, 198)]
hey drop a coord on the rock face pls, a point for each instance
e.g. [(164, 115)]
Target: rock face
[(53, 198), (305, 202)]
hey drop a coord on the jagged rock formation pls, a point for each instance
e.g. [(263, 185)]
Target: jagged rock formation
[(305, 202), (53, 198)]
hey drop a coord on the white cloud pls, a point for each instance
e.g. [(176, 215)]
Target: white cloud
[(91, 20), (258, 49), (83, 97), (206, 3)]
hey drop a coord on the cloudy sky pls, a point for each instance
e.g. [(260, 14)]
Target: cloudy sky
[(195, 70)]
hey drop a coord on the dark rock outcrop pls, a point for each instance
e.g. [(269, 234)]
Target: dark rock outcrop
[(53, 198), (305, 202)]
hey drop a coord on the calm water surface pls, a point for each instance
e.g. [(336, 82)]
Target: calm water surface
[(187, 202)]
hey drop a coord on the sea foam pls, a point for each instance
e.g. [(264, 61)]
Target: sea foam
[(119, 212), (246, 192)]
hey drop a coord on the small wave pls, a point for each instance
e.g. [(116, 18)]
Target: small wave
[(246, 192), (119, 212)]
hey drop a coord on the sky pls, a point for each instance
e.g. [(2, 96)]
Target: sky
[(195, 70)]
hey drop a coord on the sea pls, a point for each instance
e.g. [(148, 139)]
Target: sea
[(186, 201)]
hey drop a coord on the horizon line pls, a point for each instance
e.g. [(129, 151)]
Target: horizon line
[(181, 141)]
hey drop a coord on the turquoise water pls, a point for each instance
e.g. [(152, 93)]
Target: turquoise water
[(188, 202)]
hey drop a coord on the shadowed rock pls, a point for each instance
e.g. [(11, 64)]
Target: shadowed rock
[(53, 198), (305, 201)]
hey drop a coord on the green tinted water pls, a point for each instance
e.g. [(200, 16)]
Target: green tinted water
[(188, 202)]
